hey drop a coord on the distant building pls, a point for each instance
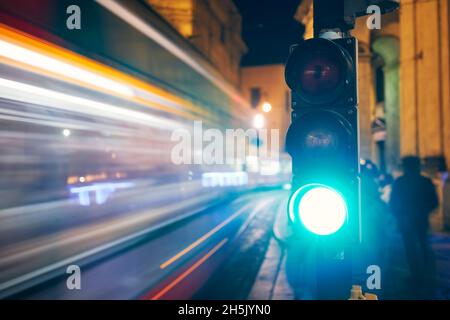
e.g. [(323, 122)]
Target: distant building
[(265, 84), (213, 27)]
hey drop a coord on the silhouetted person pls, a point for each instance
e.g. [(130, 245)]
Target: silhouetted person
[(413, 198)]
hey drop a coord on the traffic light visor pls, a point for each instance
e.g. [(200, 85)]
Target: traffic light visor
[(321, 209)]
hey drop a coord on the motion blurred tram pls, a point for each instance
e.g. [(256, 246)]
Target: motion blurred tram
[(86, 123)]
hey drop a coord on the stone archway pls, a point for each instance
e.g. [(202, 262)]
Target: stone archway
[(388, 48)]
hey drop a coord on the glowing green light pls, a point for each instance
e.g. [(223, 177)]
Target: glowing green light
[(321, 210)]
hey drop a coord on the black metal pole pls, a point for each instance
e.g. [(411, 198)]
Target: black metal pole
[(330, 15)]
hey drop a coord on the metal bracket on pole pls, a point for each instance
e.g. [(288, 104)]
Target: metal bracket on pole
[(339, 15), (329, 16)]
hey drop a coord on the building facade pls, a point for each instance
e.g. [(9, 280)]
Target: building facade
[(213, 27), (266, 84)]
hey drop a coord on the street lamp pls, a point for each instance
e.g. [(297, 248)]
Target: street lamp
[(258, 121), (266, 107), (66, 132)]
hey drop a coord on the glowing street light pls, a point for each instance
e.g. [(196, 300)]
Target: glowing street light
[(66, 132), (266, 107), (259, 121)]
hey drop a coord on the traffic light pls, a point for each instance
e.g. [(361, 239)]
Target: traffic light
[(323, 138)]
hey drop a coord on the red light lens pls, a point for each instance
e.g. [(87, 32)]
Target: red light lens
[(319, 71), (320, 75)]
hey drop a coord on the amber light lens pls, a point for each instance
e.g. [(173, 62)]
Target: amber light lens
[(319, 137)]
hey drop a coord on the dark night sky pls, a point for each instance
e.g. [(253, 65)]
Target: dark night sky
[(269, 29)]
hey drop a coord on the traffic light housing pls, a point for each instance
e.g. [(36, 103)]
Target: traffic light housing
[(323, 138)]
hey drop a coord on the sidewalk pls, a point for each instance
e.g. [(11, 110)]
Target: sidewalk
[(271, 282)]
